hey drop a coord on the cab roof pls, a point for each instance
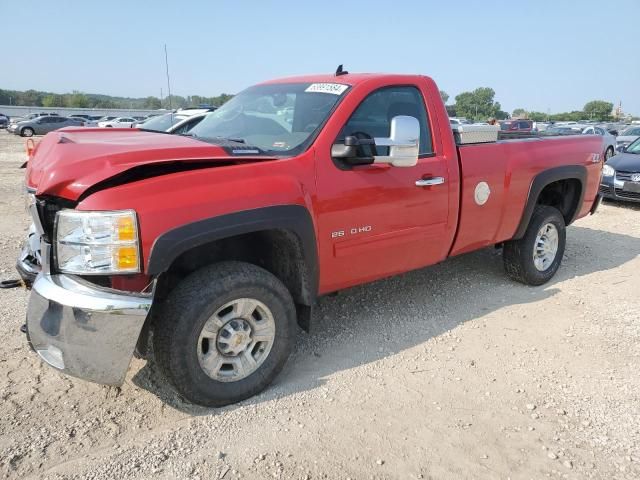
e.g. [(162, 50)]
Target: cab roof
[(346, 78)]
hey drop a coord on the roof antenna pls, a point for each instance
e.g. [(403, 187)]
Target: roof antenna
[(340, 71)]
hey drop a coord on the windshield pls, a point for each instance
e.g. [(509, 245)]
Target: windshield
[(161, 123), (634, 147), (278, 119), (631, 131)]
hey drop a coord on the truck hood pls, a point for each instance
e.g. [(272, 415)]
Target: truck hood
[(69, 161)]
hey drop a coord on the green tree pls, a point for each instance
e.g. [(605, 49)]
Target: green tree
[(444, 95), (519, 113), (30, 98), (598, 110), (220, 99), (477, 105), (538, 116), (77, 100), (152, 103), (53, 100)]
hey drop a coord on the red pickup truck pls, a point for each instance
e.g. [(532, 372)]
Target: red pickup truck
[(214, 247)]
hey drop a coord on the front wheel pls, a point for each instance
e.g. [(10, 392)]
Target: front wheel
[(225, 333), (535, 258), (26, 132)]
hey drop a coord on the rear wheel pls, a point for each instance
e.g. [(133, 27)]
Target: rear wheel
[(535, 258), (608, 154), (26, 132), (225, 333)]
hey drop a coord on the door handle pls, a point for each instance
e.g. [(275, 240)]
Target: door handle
[(429, 182)]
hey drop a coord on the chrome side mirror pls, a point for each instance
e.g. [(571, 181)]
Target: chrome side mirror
[(403, 143)]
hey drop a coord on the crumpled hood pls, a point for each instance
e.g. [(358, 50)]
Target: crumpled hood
[(68, 161)]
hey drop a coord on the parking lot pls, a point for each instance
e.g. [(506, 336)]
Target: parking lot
[(451, 371)]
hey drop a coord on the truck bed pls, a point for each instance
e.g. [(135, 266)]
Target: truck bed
[(508, 166)]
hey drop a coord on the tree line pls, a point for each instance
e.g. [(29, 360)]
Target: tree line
[(477, 105), (480, 105), (75, 99)]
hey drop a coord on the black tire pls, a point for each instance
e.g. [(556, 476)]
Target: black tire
[(518, 255), (192, 303), (27, 132), (608, 154)]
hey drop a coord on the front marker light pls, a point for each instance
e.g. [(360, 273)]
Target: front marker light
[(97, 243), (608, 171)]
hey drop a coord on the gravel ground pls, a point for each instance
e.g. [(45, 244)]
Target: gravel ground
[(451, 371)]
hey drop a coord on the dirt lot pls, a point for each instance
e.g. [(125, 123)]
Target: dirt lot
[(448, 372)]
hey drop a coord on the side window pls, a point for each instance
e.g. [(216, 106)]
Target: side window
[(373, 116)]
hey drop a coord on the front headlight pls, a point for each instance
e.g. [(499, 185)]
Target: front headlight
[(608, 171), (97, 243)]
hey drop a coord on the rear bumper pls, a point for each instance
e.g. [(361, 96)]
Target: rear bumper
[(83, 330), (611, 188)]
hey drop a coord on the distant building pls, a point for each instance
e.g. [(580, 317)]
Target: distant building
[(617, 112)]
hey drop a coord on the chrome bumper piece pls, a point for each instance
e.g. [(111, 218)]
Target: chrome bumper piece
[(83, 330)]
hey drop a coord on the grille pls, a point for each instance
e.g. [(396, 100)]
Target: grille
[(631, 195), (625, 176), (605, 190)]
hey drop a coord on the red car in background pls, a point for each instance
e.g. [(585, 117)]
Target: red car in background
[(523, 126)]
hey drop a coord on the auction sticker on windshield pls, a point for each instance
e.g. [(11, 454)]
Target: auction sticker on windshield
[(334, 88)]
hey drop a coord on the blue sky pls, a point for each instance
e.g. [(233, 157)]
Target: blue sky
[(539, 55)]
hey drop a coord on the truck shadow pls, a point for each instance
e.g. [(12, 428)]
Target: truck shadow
[(620, 204), (370, 322)]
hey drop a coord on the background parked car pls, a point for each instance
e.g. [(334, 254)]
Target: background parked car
[(458, 121), (609, 140), (4, 121), (105, 119), (523, 126), (627, 137), (187, 124), (118, 122), (621, 175), (163, 123), (43, 125), (562, 130)]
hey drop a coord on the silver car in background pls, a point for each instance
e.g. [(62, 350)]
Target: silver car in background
[(43, 125), (627, 137), (609, 140)]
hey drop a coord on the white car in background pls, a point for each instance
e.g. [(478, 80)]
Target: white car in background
[(183, 127), (118, 122), (170, 121), (609, 140)]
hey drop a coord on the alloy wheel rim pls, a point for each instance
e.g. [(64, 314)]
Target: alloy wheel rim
[(545, 247), (236, 340)]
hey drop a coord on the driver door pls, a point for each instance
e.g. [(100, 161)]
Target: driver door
[(375, 220)]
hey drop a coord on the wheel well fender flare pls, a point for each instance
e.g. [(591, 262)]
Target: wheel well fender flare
[(295, 218), (542, 180)]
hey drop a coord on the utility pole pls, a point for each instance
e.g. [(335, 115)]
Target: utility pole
[(166, 63)]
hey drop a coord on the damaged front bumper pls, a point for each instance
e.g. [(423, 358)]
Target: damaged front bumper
[(79, 328)]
